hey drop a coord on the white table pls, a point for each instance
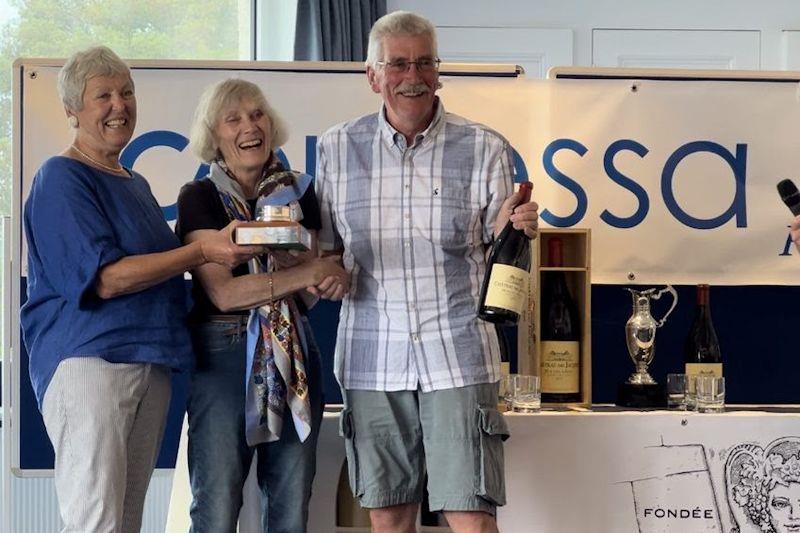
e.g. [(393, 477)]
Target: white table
[(597, 471)]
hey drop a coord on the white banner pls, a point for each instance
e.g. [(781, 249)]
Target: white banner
[(676, 179)]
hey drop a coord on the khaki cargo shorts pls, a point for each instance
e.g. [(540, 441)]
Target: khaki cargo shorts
[(456, 435)]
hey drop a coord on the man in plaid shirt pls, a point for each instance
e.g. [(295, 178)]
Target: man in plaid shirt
[(412, 197)]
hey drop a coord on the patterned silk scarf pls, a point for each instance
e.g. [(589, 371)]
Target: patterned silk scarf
[(275, 340)]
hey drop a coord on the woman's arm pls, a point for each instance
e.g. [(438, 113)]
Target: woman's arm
[(136, 273), (229, 293)]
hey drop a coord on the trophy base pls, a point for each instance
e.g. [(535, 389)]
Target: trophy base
[(641, 396)]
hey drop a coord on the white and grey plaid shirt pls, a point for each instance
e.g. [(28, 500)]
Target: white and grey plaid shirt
[(413, 223)]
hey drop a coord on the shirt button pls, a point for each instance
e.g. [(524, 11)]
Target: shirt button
[(407, 244), (411, 305), (406, 216), (415, 338), (408, 187)]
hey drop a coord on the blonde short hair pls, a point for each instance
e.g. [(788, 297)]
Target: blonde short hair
[(84, 65), (214, 101), (397, 23)]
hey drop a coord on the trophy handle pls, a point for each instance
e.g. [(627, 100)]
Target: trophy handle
[(658, 294)]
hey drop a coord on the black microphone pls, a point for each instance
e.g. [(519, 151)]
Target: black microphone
[(790, 196)]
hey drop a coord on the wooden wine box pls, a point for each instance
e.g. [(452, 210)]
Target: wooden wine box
[(577, 270)]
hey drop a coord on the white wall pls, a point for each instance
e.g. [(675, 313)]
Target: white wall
[(735, 34)]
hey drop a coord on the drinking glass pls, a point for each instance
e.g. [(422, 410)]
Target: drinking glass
[(527, 394), (710, 394), (676, 391), (506, 393)]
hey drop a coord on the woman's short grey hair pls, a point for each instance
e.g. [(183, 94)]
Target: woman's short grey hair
[(397, 23), (214, 101), (84, 65)]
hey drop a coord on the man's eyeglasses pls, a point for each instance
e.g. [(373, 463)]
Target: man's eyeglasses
[(398, 66)]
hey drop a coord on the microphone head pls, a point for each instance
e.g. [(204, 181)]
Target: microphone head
[(790, 195), (786, 189)]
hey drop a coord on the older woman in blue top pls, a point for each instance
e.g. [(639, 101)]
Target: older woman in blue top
[(105, 319)]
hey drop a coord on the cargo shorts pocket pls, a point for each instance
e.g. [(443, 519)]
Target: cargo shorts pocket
[(493, 430), (347, 430)]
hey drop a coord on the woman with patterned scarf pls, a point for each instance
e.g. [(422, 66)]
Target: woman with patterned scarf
[(257, 383)]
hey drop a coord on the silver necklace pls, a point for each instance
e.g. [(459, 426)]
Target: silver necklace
[(118, 168)]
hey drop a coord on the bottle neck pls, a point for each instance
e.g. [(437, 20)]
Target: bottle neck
[(703, 301), (525, 190), (703, 295), (559, 284)]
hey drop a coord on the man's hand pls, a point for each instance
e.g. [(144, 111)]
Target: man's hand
[(524, 217), (795, 232)]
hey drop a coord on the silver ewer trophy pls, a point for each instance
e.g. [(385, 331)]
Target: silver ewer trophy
[(641, 390)]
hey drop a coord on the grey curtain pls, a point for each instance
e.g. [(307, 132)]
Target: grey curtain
[(335, 30)]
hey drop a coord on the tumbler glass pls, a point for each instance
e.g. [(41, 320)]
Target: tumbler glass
[(527, 394), (710, 394)]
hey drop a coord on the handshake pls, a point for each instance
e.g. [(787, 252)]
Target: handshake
[(324, 277)]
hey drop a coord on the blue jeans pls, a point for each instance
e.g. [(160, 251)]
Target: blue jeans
[(219, 457)]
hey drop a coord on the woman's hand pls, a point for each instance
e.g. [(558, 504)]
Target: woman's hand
[(219, 248), (331, 280)]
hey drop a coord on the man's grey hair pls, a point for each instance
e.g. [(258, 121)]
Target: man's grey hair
[(397, 23), (214, 101), (84, 65)]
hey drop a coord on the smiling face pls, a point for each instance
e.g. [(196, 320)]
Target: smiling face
[(410, 95), (243, 136), (784, 508), (108, 117)]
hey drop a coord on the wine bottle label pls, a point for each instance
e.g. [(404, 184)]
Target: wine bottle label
[(505, 368), (508, 288), (561, 363), (701, 369)]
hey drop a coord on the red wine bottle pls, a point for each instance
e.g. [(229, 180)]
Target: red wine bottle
[(504, 294), (560, 358), (505, 359), (701, 353)]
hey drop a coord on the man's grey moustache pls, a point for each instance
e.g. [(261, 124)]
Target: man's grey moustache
[(422, 89)]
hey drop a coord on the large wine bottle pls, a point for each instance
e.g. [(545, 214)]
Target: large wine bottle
[(504, 294), (505, 359), (701, 353), (560, 358)]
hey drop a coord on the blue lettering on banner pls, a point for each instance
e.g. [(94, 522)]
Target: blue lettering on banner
[(738, 164), (311, 155), (626, 183), (520, 171), (566, 182), (151, 139)]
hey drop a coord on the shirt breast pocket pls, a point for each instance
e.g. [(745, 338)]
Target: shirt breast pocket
[(451, 221)]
